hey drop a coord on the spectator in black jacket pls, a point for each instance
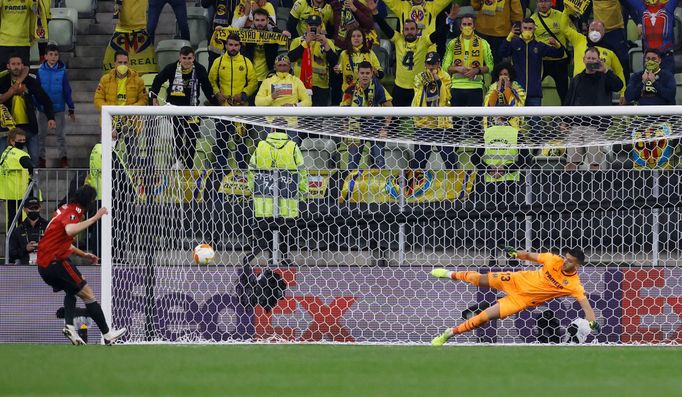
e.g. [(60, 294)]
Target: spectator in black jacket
[(653, 85), (594, 86), (185, 78), (19, 90), (23, 243)]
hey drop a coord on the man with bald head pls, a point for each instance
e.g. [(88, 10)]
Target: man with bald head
[(594, 38)]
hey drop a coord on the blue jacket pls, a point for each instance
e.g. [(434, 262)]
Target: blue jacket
[(527, 60), (663, 89), (55, 82)]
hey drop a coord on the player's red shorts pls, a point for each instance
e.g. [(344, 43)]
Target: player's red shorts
[(62, 275), (514, 302)]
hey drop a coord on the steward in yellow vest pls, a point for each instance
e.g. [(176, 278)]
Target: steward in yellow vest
[(15, 171), (277, 152), (276, 169), (500, 153)]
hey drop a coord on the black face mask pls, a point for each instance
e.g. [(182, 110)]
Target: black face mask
[(33, 215), (19, 145)]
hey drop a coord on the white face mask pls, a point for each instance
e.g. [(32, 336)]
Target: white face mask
[(594, 36)]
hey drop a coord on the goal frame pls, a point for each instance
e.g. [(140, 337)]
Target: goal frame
[(108, 112)]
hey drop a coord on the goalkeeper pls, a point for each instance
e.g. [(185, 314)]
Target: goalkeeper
[(525, 289)]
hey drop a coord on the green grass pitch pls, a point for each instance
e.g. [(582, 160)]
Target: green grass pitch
[(339, 370)]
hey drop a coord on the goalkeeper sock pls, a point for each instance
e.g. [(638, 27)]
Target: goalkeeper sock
[(471, 323), (96, 313), (69, 308), (472, 278)]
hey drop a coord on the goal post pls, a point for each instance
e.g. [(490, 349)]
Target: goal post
[(383, 196)]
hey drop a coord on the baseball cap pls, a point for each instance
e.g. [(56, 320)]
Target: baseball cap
[(432, 58), (32, 203), (314, 20), (282, 58)]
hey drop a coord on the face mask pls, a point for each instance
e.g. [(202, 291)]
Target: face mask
[(33, 215), (19, 145), (122, 69), (651, 66), (467, 30), (527, 35), (594, 36)]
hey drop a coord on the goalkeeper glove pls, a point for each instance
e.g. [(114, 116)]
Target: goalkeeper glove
[(440, 273), (510, 251), (594, 325)]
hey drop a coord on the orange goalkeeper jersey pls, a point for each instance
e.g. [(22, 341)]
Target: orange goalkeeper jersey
[(549, 282)]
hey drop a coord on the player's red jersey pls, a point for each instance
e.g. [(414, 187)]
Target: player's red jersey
[(56, 244)]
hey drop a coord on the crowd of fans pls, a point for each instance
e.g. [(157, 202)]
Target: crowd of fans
[(326, 55), (497, 56)]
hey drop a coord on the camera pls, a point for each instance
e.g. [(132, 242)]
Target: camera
[(593, 66)]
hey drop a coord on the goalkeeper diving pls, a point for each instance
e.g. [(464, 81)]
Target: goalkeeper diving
[(525, 289)]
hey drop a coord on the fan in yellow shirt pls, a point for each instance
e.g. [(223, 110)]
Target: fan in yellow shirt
[(351, 57), (283, 89), (432, 89), (302, 9), (422, 12)]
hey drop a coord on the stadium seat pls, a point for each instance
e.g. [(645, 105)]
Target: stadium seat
[(550, 162), (282, 13), (167, 51), (398, 156), (678, 92), (636, 60), (281, 24), (317, 152), (677, 28), (34, 58), (197, 18), (62, 28), (148, 80), (550, 96), (384, 60), (201, 55), (85, 8), (388, 46)]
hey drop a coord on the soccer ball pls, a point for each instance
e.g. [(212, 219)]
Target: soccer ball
[(578, 331), (203, 254)]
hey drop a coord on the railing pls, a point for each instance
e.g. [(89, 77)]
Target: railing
[(52, 187)]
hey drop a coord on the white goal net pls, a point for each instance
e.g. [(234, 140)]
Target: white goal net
[(369, 203)]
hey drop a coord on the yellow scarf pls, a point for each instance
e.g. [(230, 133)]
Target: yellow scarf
[(472, 57)]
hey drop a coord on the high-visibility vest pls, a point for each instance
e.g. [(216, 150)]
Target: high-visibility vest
[(13, 176), (505, 138), (277, 152), (94, 178)]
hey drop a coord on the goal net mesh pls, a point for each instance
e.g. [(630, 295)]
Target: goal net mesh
[(344, 253)]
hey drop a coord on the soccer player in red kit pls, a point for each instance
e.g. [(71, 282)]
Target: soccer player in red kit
[(57, 270)]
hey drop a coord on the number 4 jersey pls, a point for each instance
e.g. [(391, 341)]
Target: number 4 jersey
[(410, 58)]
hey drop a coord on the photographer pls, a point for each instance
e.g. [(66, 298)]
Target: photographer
[(23, 244), (594, 86)]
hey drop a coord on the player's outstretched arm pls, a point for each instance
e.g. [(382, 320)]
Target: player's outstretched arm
[(521, 255), (527, 256), (75, 228), (589, 314)]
